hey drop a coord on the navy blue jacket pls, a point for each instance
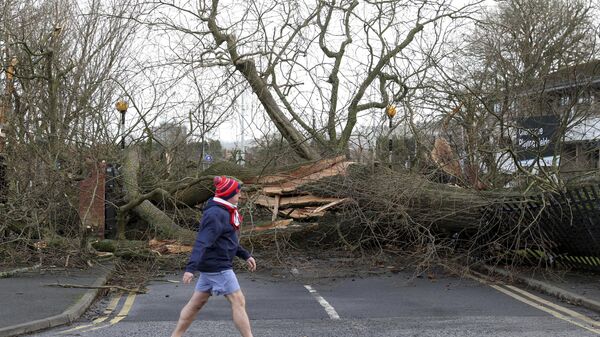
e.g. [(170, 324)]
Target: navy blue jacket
[(217, 242)]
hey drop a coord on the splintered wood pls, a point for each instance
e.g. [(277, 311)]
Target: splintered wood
[(280, 192), (445, 158)]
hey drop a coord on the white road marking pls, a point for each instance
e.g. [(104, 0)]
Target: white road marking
[(328, 308)]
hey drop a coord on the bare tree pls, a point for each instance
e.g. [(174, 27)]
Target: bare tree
[(66, 58), (332, 62), (502, 72)]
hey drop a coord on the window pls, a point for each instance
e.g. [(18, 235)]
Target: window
[(584, 98), (497, 108), (590, 154), (564, 100), (594, 158), (568, 156)]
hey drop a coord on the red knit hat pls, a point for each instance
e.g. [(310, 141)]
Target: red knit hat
[(225, 188)]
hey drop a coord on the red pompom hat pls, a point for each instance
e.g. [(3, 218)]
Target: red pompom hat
[(225, 188)]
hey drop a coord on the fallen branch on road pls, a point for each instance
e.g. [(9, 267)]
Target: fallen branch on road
[(13, 272), (137, 291)]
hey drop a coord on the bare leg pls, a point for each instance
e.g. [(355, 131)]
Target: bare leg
[(188, 313), (238, 309)]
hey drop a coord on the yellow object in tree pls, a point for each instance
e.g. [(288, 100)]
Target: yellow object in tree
[(121, 105), (390, 110)]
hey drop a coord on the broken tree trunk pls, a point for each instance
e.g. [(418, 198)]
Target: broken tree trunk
[(124, 248), (288, 183), (202, 189), (158, 221), (131, 248), (281, 194), (295, 201), (404, 202)]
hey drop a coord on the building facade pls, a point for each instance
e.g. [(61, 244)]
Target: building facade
[(558, 123)]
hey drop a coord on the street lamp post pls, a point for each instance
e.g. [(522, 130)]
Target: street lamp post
[(122, 108), (390, 111)]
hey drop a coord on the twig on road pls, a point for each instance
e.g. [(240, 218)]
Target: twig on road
[(13, 272), (137, 291)]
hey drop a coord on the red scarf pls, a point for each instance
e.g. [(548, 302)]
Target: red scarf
[(235, 218)]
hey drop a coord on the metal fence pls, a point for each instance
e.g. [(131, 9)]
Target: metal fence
[(558, 228)]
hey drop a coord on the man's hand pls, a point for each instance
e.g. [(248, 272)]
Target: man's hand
[(188, 277), (251, 263)]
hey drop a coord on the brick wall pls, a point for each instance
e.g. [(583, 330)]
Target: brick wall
[(91, 199)]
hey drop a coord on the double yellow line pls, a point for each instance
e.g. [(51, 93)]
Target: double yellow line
[(112, 305), (537, 302)]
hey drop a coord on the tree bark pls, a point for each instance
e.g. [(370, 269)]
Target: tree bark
[(202, 189), (158, 221), (125, 248)]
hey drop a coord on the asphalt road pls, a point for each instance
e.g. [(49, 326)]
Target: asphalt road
[(383, 305), (42, 301)]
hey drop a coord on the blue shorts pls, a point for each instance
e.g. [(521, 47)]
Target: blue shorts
[(220, 283)]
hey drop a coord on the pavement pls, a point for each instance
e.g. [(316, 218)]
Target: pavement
[(29, 302), (575, 287)]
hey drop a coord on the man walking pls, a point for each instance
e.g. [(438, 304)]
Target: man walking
[(216, 245)]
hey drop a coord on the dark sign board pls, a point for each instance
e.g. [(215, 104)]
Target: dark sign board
[(536, 137)]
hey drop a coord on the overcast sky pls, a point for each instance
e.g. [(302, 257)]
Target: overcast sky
[(156, 48)]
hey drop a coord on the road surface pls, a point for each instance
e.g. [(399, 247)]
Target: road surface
[(393, 304)]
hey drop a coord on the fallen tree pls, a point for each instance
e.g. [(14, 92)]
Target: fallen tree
[(281, 193), (310, 190), (139, 203), (357, 206), (190, 192)]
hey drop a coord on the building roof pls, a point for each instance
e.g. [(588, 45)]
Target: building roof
[(573, 76)]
